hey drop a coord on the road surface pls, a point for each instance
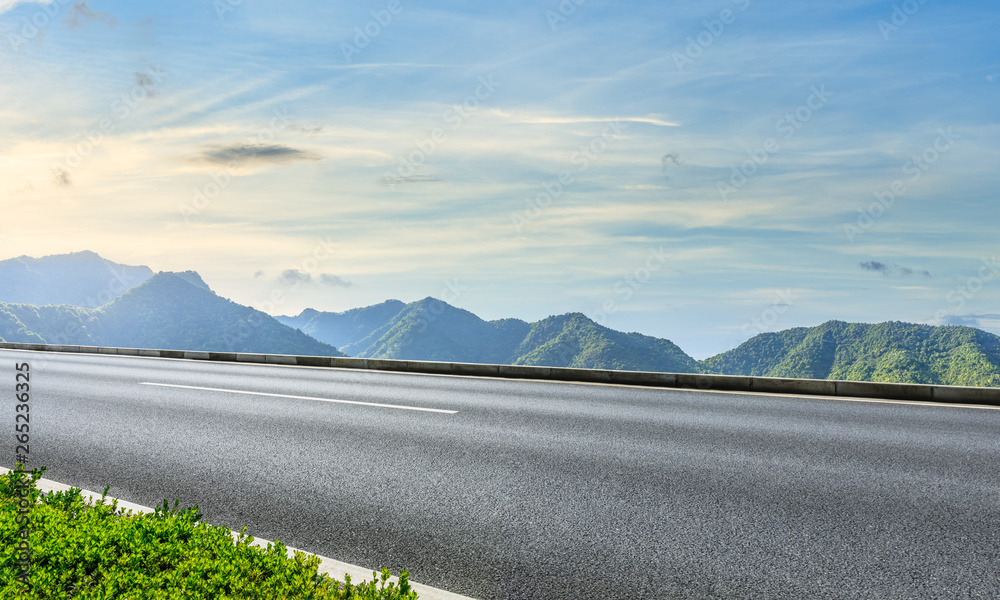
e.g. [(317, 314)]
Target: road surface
[(506, 489)]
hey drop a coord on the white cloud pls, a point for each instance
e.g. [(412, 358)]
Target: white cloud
[(334, 280), (539, 118), (6, 5)]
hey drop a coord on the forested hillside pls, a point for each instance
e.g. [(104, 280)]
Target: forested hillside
[(573, 340), (891, 352), (168, 311), (434, 330), (430, 329)]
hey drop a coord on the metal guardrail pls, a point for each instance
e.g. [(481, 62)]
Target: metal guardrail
[(735, 383)]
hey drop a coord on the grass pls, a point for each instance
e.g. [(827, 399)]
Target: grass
[(92, 550)]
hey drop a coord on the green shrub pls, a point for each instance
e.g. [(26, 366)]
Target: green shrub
[(95, 551)]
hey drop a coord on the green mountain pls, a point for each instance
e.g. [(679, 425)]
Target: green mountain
[(342, 329), (573, 340), (434, 330), (193, 278), (889, 352), (171, 311), (79, 279), (46, 324)]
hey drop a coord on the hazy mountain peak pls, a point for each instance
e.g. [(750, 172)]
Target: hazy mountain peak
[(430, 301), (386, 306), (171, 282), (191, 277), (178, 311), (81, 278), (341, 329)]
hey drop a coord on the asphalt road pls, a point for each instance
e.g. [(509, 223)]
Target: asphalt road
[(542, 490)]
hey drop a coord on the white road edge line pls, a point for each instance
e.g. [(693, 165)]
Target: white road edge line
[(208, 389), (329, 566)]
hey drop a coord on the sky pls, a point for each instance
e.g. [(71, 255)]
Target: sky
[(698, 171)]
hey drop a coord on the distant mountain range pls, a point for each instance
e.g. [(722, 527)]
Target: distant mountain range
[(179, 311), (174, 311), (434, 330), (80, 279)]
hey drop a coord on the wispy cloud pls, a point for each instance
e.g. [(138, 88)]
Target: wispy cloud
[(298, 277), (890, 269), (972, 320), (334, 280), (395, 65), (61, 177), (555, 119), (306, 128), (6, 5), (670, 158), (393, 180), (294, 276), (81, 14), (259, 153), (144, 80)]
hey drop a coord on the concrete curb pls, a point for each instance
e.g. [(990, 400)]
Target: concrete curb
[(769, 385), (329, 566)]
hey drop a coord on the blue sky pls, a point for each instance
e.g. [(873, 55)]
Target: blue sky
[(700, 171)]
